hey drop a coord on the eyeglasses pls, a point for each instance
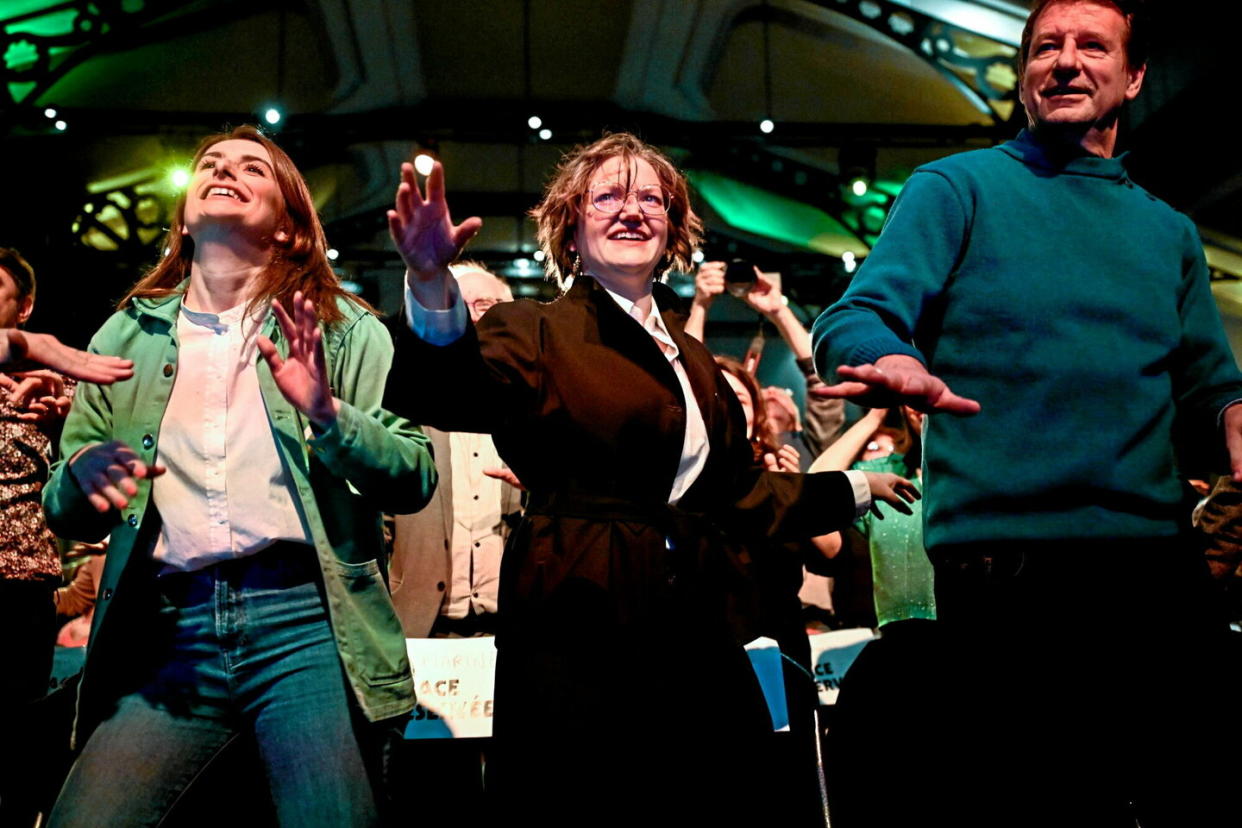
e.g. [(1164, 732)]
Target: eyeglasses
[(611, 198)]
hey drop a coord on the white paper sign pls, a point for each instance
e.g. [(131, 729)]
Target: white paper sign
[(455, 679), (832, 653)]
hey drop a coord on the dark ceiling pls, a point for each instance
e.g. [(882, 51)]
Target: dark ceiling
[(878, 86)]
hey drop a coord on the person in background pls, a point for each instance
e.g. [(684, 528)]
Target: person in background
[(445, 577), (883, 702), (241, 475), (32, 407), (825, 415), (446, 557)]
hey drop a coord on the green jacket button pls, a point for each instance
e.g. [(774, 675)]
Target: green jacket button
[(147, 441), (168, 369), (133, 520)]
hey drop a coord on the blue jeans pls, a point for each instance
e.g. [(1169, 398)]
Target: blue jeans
[(246, 648)]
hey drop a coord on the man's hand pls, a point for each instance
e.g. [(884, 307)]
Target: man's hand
[(898, 379), (37, 395), (108, 474), (303, 376), (893, 490), (25, 349), (1233, 440)]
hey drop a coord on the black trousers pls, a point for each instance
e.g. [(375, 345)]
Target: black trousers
[(1086, 684)]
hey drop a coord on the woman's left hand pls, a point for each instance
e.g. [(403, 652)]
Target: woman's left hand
[(302, 376), (893, 489)]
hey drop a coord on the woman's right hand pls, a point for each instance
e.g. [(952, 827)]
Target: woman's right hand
[(425, 235), (893, 489), (109, 472)]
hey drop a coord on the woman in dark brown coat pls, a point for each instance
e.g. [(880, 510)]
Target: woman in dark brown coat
[(621, 684)]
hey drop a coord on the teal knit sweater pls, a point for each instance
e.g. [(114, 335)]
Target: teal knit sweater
[(1075, 307)]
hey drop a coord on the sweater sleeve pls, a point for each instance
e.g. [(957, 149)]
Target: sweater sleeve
[(1205, 375), (912, 261), (383, 455)]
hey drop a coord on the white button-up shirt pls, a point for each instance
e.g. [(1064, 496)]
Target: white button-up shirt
[(226, 493)]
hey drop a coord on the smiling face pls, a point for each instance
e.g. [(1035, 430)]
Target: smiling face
[(623, 247), (234, 185), (1077, 72)]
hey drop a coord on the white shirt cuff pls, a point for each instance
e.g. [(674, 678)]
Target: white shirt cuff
[(862, 492), (437, 327)]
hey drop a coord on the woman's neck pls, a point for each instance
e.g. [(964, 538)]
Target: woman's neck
[(223, 274)]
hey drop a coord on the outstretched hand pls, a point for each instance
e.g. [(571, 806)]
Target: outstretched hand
[(892, 489), (423, 230), (22, 349), (109, 473), (302, 376), (898, 380)]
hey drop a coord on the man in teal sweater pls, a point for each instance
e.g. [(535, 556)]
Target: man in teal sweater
[(1063, 314)]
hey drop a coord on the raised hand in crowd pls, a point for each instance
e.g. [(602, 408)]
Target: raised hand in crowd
[(23, 350), (426, 237), (302, 376), (109, 473), (786, 459), (898, 379), (38, 396)]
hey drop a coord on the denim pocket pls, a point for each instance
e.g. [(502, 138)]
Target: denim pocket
[(372, 633)]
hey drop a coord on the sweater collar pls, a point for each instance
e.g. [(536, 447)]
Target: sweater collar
[(1031, 151)]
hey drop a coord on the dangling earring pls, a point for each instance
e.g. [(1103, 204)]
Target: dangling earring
[(576, 270)]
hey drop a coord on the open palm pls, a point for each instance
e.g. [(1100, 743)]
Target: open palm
[(421, 227)]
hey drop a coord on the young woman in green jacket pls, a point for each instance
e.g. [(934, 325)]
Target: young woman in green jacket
[(241, 474)]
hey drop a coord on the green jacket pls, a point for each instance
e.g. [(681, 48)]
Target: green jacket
[(369, 461)]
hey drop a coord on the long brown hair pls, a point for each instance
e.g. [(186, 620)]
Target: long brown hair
[(556, 216), (299, 263), (762, 441)]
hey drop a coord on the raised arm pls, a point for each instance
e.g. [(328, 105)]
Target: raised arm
[(427, 239), (709, 283)]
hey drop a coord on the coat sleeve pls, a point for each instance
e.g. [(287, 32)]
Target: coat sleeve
[(476, 382), (384, 456)]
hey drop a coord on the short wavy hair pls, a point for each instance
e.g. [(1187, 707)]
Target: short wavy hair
[(556, 216)]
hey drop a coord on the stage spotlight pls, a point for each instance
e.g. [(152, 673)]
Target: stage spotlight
[(697, 257), (272, 115), (859, 187), (848, 260), (423, 163), (61, 125), (179, 178), (540, 255), (534, 122), (333, 254), (766, 126), (545, 133), (49, 113)]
